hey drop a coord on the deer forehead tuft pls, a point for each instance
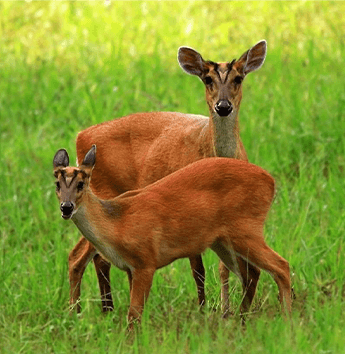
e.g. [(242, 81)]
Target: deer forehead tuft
[(74, 172), (221, 69), (71, 171), (68, 174)]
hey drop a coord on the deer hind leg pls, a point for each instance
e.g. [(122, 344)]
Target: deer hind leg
[(224, 295), (229, 261), (103, 274), (130, 279), (255, 250), (199, 277), (250, 276), (141, 285), (78, 259)]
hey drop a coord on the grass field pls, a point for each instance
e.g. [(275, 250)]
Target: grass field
[(65, 66)]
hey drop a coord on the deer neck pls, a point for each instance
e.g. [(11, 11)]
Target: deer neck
[(92, 216), (225, 135), (82, 217), (97, 221)]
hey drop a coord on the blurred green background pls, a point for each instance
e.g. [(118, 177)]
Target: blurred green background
[(67, 65)]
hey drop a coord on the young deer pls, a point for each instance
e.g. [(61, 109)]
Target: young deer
[(142, 148), (215, 203)]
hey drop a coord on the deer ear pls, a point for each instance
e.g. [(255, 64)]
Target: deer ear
[(191, 61), (90, 158), (252, 59), (61, 159)]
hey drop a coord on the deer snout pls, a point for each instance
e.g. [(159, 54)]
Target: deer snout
[(66, 209), (223, 108)]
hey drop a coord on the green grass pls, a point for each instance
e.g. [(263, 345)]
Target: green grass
[(65, 66)]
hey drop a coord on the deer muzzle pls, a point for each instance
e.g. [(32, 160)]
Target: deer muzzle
[(223, 108), (66, 209)]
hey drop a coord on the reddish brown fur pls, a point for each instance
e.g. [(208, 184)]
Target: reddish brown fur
[(214, 203), (142, 148)]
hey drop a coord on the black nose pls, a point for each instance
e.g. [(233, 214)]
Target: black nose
[(223, 108), (66, 208)]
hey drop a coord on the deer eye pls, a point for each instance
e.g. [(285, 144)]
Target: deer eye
[(80, 186), (57, 186), (208, 80), (238, 79)]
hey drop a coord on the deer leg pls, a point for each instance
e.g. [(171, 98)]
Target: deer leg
[(229, 261), (250, 276), (257, 252), (141, 285), (78, 259), (130, 279), (199, 277), (224, 295), (103, 274)]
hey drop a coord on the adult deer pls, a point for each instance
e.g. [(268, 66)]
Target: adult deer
[(215, 203), (142, 148)]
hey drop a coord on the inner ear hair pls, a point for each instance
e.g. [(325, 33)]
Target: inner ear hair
[(191, 61)]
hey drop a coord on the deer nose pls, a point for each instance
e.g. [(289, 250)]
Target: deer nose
[(223, 107), (66, 209)]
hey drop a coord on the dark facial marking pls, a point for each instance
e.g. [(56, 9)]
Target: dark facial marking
[(63, 173), (229, 65), (75, 174), (216, 67)]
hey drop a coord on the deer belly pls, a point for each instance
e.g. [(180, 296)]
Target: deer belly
[(112, 256), (110, 253)]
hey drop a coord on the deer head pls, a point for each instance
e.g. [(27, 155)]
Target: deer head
[(72, 182), (223, 81)]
